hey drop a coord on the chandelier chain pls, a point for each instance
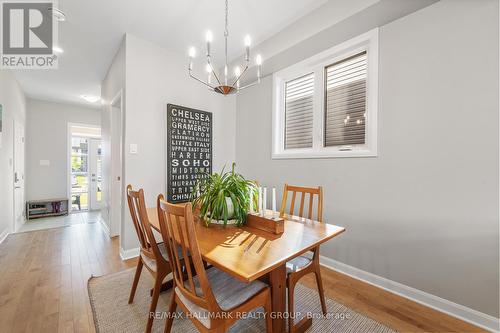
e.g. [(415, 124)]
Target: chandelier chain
[(226, 31)]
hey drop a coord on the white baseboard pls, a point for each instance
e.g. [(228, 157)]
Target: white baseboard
[(129, 254), (4, 235), (461, 312)]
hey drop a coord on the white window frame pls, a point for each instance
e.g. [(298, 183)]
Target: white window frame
[(366, 42)]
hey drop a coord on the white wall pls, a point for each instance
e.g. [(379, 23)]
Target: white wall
[(47, 139), (14, 109), (155, 77), (423, 213), (113, 83)]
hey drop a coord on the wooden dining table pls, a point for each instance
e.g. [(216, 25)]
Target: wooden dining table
[(249, 254)]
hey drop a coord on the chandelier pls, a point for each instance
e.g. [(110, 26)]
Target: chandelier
[(228, 85)]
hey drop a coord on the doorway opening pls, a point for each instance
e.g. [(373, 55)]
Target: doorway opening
[(19, 156), (116, 188), (85, 168)]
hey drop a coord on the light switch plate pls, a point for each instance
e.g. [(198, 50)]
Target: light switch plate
[(133, 148), (44, 162)]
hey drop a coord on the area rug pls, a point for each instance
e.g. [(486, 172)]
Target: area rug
[(109, 300)]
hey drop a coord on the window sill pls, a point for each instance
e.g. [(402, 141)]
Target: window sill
[(303, 154)]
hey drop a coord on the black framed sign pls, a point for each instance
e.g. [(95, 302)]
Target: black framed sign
[(189, 150)]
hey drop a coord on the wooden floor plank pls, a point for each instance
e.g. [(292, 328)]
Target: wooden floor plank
[(45, 273), (392, 310)]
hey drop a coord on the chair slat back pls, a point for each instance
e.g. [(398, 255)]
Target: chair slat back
[(303, 191), (178, 232), (137, 207)]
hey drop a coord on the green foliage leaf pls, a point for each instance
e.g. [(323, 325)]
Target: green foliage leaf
[(211, 191)]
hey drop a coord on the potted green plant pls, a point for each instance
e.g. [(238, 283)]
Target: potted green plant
[(223, 198)]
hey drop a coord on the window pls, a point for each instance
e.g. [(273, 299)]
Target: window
[(345, 101), (326, 106), (299, 112)]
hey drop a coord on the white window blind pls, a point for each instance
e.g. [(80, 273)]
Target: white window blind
[(345, 101), (299, 112)]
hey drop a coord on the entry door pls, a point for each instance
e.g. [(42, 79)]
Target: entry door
[(18, 174), (95, 174)]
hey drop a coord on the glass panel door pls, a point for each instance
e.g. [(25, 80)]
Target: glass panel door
[(95, 174), (79, 174)]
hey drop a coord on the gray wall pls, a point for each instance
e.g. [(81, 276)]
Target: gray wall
[(47, 139), (425, 211), (14, 109)]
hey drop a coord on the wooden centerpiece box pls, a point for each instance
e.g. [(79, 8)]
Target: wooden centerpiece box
[(270, 222)]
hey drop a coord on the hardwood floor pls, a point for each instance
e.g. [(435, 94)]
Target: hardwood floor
[(43, 285), (43, 277), (392, 310)]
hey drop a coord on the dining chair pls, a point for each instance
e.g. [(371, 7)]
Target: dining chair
[(308, 262), (153, 255), (211, 298)]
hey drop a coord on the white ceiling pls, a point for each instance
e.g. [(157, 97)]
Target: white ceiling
[(94, 29)]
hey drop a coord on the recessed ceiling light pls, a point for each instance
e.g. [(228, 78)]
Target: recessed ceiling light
[(58, 14), (57, 50), (90, 98)]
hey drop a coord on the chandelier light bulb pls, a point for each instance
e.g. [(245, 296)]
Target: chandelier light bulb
[(258, 59), (248, 40), (192, 52), (209, 36)]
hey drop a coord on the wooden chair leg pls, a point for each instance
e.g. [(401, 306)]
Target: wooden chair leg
[(170, 315), (138, 271), (321, 293), (220, 329), (291, 305), (154, 301), (269, 321)]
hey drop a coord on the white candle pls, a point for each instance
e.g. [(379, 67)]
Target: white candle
[(260, 200), (209, 38), (248, 41), (250, 195), (274, 200), (264, 202)]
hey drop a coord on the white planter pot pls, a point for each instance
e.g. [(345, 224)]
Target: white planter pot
[(230, 210)]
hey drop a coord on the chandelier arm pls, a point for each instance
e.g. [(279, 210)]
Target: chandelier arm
[(238, 78), (199, 80), (215, 74)]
